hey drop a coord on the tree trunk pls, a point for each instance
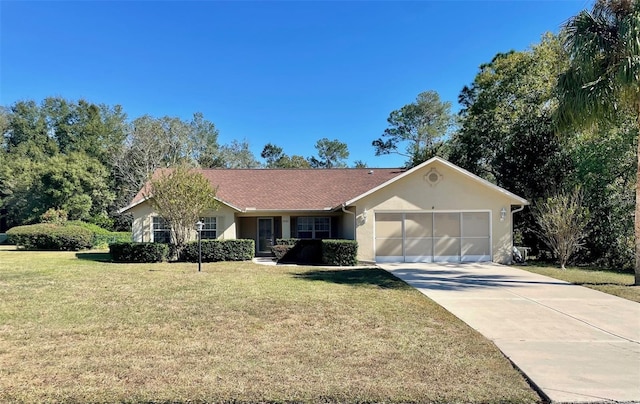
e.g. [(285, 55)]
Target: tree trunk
[(637, 214)]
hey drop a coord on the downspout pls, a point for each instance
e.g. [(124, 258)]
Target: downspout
[(344, 209)]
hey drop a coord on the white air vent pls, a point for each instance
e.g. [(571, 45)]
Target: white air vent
[(433, 177)]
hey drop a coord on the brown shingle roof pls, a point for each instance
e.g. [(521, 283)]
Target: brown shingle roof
[(291, 189)]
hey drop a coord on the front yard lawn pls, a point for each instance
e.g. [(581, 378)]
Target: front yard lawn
[(615, 283), (76, 329)]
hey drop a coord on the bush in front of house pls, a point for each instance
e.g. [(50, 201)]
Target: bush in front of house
[(49, 236), (298, 251), (138, 252), (219, 250), (102, 237), (340, 252)]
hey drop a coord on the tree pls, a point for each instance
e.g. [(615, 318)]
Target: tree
[(562, 220), (154, 143), (420, 126), (180, 196), (359, 164), (331, 153), (603, 77), (237, 155), (276, 158)]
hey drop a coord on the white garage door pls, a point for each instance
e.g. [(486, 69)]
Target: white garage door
[(432, 236)]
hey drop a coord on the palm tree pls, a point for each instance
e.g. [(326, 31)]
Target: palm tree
[(604, 74)]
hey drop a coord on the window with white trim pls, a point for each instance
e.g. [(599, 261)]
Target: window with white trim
[(209, 228), (161, 230), (314, 227)]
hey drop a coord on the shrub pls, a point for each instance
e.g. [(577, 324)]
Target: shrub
[(138, 252), (102, 237), (287, 241), (340, 252), (104, 240), (46, 236), (298, 251), (280, 251), (219, 250), (56, 216)]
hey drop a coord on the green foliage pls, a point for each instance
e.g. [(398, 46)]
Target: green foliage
[(602, 81), (276, 158), (219, 250), (340, 252), (55, 216), (331, 153), (506, 130), (102, 237), (420, 127), (298, 251), (328, 252), (604, 74), (46, 236), (287, 241), (181, 196), (605, 168), (237, 155), (104, 240), (138, 252)]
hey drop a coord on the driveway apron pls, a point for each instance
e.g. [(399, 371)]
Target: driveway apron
[(577, 345)]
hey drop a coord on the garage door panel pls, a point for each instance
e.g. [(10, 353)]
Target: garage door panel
[(447, 246), (475, 224), (446, 224), (475, 246), (389, 247), (418, 250), (418, 225), (389, 225)]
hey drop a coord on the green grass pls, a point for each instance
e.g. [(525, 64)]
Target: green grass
[(74, 328), (612, 282)]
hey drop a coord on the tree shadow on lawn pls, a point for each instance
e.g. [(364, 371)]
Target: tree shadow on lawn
[(94, 256), (355, 277)]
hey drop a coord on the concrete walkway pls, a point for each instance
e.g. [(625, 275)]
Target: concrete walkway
[(577, 345)]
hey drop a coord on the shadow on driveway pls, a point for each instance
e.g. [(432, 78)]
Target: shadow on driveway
[(459, 279)]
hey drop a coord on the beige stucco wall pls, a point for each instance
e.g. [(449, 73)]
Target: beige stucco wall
[(142, 214), (455, 192)]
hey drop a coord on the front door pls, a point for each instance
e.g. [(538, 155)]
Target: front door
[(265, 235)]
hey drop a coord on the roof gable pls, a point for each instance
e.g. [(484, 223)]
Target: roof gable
[(493, 187)]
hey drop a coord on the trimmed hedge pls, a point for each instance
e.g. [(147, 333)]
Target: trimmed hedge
[(340, 252), (104, 240), (219, 250), (138, 252), (298, 251), (316, 251), (49, 236)]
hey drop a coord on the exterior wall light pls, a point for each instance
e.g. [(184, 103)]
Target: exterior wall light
[(503, 214)]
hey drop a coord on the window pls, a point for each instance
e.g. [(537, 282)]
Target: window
[(161, 230), (314, 227), (209, 228)]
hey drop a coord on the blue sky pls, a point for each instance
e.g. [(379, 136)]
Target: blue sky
[(289, 72)]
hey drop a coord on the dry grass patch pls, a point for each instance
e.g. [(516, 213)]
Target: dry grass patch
[(88, 331), (614, 283)]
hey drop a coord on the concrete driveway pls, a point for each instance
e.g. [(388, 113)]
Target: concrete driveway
[(577, 345)]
